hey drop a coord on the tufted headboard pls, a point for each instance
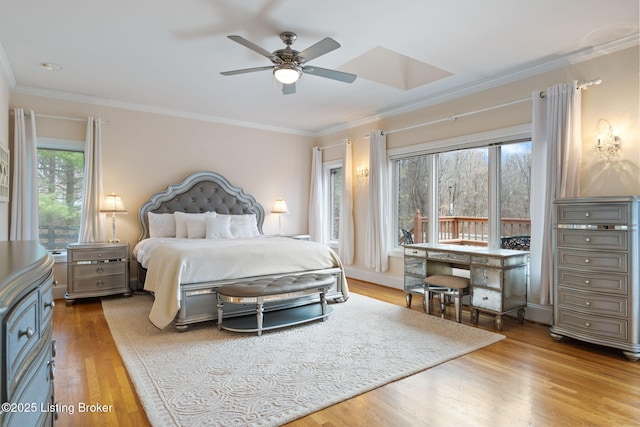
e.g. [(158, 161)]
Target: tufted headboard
[(201, 192)]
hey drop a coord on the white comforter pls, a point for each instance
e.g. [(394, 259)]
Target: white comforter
[(170, 262)]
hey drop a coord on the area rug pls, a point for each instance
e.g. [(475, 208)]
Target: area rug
[(208, 377)]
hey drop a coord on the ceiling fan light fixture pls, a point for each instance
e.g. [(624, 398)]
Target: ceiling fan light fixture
[(287, 73)]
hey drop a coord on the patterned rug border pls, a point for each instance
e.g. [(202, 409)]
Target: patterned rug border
[(134, 334)]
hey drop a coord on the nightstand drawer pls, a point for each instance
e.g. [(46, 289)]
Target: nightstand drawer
[(592, 303), (81, 271), (486, 298), (592, 239), (592, 325), (590, 213), (23, 333), (99, 254), (486, 277), (99, 284), (586, 260)]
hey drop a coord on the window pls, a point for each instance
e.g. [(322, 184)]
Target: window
[(333, 198), (452, 182), (60, 186)]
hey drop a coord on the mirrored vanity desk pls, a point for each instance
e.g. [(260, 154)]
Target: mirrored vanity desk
[(498, 277)]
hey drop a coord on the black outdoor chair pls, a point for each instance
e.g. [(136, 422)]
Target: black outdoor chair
[(408, 239), (520, 243)]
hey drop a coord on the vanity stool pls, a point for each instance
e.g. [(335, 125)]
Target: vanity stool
[(445, 285)]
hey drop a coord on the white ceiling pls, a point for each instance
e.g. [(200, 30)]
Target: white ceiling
[(166, 56)]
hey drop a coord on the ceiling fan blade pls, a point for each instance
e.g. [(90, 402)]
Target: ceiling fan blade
[(288, 89), (245, 70), (330, 74), (325, 45), (254, 47)]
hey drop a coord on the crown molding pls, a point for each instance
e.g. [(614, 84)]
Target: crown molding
[(525, 71)]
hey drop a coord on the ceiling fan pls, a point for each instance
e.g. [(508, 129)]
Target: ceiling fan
[(289, 64)]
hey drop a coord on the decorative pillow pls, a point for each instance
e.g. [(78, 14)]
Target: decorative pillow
[(161, 225), (196, 227), (218, 227), (181, 222), (243, 226)]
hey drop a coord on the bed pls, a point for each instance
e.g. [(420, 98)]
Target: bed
[(204, 233)]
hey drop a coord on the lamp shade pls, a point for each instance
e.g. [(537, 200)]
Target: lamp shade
[(287, 73), (280, 206), (113, 203)]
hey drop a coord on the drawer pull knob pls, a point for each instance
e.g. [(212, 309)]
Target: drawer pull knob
[(100, 283), (586, 282), (29, 333), (54, 348), (588, 239), (587, 324), (485, 298), (52, 369), (587, 260), (50, 304), (588, 303), (587, 214), (414, 252)]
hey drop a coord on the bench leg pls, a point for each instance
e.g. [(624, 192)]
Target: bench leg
[(260, 315), (220, 305), (323, 302)]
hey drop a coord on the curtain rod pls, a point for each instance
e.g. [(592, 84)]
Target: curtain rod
[(582, 85), (334, 145), (49, 116)]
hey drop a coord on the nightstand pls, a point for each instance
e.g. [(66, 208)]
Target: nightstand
[(97, 269)]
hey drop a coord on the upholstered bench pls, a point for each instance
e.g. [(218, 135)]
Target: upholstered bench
[(446, 285), (263, 290)]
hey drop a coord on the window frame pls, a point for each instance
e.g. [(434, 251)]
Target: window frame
[(491, 140), (60, 144), (327, 197)]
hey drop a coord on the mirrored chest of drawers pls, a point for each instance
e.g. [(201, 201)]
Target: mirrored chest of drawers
[(97, 269), (596, 272)]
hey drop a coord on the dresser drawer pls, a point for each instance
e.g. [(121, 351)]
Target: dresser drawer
[(486, 298), (38, 387), (486, 277), (449, 257), (102, 269), (23, 333), (590, 213), (592, 303), (597, 261), (97, 284), (98, 254), (595, 282), (592, 239), (414, 252), (46, 304), (592, 325)]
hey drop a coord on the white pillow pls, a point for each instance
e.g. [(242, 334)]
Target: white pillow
[(196, 228), (161, 225), (243, 226), (181, 222), (218, 227)]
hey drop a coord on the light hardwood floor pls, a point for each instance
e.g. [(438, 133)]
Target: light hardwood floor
[(527, 379)]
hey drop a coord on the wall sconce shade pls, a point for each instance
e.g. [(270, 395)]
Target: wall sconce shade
[(113, 204), (280, 207), (609, 143)]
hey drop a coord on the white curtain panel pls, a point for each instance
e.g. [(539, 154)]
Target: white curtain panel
[(346, 229), (92, 222), (377, 230), (555, 172), (24, 191), (315, 196)]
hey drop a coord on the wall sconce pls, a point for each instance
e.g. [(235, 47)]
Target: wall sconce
[(113, 204), (609, 142), (362, 172)]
